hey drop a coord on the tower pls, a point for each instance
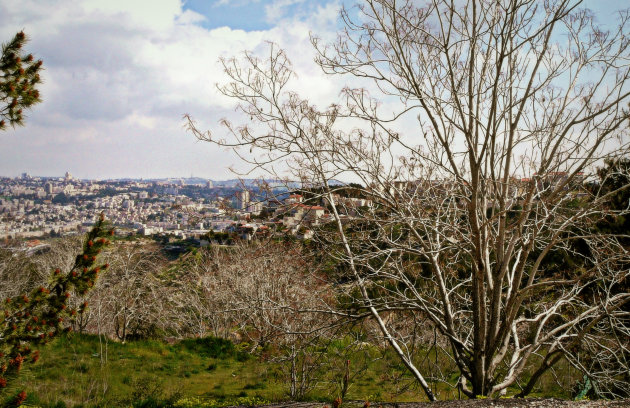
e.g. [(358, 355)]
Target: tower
[(243, 199)]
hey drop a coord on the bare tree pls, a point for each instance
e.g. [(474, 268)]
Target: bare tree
[(130, 294), (277, 292), (516, 104), (22, 270), (199, 299), (269, 294)]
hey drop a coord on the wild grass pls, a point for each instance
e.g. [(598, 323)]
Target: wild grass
[(81, 371)]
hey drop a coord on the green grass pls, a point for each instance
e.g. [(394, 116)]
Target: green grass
[(71, 370), (212, 372)]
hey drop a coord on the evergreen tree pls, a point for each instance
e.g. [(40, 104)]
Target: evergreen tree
[(33, 319), (19, 77)]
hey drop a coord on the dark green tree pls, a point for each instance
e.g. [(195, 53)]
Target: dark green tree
[(615, 178), (19, 78), (614, 182)]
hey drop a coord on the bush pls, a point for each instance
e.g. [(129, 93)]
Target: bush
[(150, 402), (213, 347), (257, 386)]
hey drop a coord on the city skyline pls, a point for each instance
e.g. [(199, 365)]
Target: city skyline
[(174, 177)]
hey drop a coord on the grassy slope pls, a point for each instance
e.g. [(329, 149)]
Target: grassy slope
[(71, 371)]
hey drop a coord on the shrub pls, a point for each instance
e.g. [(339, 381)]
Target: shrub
[(213, 347)]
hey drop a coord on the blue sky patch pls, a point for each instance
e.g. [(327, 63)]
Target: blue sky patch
[(251, 15), (244, 15)]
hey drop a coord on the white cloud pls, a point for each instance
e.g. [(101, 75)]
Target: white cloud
[(120, 75), (220, 3), (151, 14), (190, 17)]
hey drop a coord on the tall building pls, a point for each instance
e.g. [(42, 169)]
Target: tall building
[(48, 188), (68, 176), (243, 199)]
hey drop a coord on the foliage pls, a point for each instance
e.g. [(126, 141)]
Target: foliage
[(614, 183), (213, 347), (19, 78)]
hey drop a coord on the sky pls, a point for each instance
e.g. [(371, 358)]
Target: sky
[(120, 74)]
